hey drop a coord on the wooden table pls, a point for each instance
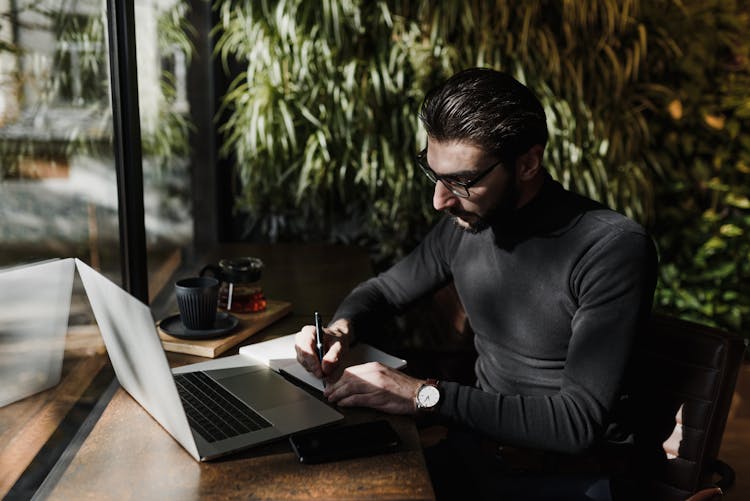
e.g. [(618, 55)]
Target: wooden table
[(127, 455)]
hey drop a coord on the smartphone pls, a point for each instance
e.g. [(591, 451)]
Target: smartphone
[(342, 442)]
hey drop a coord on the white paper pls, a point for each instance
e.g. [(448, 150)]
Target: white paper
[(279, 355)]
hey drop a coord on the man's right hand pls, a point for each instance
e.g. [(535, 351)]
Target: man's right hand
[(335, 338)]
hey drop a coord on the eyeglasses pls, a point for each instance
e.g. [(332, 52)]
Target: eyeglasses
[(458, 187)]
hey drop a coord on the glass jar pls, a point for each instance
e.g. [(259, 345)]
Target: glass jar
[(240, 290)]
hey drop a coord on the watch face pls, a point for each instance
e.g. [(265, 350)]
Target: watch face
[(428, 396)]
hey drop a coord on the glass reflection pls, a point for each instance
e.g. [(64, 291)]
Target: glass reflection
[(33, 321)]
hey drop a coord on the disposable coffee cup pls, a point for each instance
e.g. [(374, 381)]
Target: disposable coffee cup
[(197, 300)]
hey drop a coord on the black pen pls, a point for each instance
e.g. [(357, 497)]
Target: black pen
[(319, 343)]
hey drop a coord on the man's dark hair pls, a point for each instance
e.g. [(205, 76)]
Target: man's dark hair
[(486, 108)]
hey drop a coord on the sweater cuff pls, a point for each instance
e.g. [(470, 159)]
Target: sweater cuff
[(449, 392)]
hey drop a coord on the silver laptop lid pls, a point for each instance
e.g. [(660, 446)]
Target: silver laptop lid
[(136, 353), (34, 309)]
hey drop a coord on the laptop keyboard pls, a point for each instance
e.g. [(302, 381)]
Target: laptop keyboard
[(213, 411)]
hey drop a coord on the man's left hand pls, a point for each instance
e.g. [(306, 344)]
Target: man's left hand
[(377, 386)]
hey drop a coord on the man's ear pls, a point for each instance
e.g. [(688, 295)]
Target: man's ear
[(530, 163)]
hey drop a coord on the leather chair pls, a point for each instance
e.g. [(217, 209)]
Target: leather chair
[(686, 374)]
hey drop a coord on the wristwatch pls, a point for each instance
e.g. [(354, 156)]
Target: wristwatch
[(428, 396)]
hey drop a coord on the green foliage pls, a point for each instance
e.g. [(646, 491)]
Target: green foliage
[(321, 119), (704, 144)]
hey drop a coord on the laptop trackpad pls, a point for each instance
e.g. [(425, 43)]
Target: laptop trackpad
[(261, 389)]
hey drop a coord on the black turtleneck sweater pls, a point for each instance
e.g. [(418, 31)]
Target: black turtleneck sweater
[(555, 294)]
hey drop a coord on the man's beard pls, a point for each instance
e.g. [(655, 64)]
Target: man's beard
[(499, 212), (459, 219)]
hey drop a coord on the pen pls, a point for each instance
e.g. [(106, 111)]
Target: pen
[(319, 344)]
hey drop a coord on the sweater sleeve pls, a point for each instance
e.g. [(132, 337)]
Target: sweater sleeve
[(613, 283), (422, 271)]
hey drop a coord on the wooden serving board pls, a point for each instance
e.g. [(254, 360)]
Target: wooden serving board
[(250, 323)]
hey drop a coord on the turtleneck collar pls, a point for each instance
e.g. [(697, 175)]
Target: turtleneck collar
[(551, 211)]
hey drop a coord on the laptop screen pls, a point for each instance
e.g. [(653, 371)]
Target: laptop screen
[(34, 308)]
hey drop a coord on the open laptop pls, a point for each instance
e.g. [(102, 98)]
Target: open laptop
[(211, 408), (34, 309)]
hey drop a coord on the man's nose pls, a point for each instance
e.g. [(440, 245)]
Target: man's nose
[(442, 198)]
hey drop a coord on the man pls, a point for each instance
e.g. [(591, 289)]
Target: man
[(555, 287)]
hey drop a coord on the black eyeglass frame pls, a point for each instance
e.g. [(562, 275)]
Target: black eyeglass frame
[(458, 188)]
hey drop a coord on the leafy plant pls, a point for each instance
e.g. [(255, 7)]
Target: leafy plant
[(321, 121), (704, 145), (312, 119), (321, 118)]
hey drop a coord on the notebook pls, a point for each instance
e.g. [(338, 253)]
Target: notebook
[(279, 354), (34, 309), (212, 408)]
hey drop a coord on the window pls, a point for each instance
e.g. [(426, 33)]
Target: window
[(58, 189)]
